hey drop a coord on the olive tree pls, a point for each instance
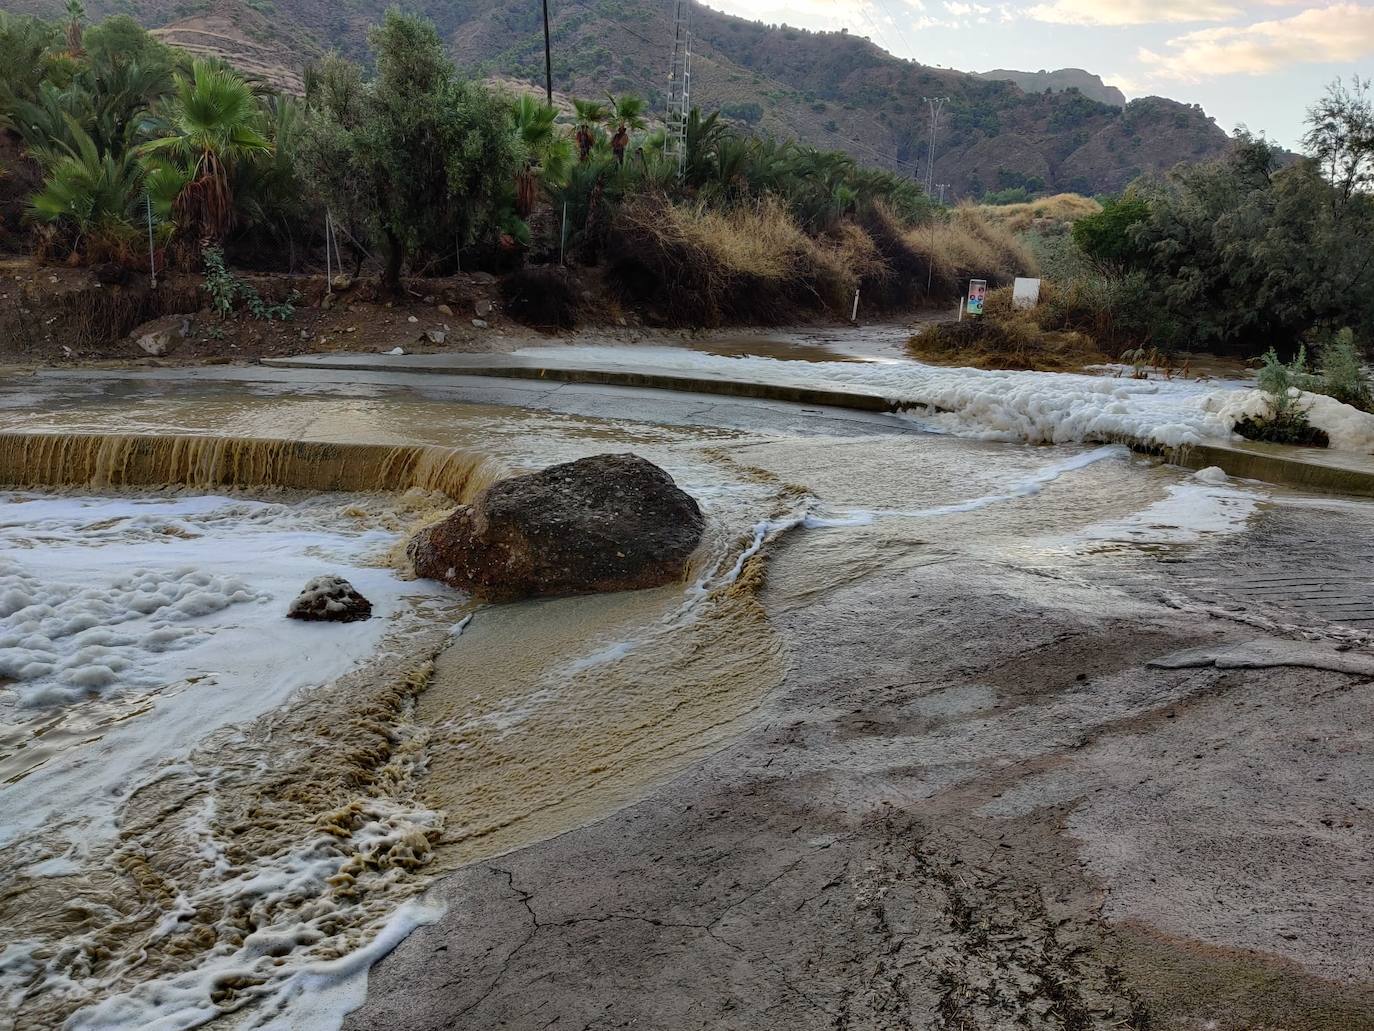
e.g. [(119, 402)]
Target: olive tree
[(420, 159)]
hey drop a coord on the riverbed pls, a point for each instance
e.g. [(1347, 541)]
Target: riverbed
[(212, 811)]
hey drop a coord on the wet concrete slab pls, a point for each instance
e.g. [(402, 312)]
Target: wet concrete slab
[(1306, 468)]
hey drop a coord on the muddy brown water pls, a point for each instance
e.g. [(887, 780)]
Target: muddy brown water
[(440, 749)]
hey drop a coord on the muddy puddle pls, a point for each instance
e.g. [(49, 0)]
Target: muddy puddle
[(210, 811)]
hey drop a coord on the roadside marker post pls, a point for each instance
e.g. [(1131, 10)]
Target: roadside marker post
[(152, 254)]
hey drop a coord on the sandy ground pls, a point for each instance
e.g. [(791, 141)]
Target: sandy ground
[(987, 795)]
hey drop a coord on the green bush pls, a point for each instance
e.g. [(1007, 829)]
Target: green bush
[(1286, 421), (1108, 237), (1341, 372)]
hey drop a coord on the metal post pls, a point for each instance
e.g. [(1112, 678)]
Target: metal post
[(854, 315), (548, 58), (152, 255), (328, 270), (563, 234)]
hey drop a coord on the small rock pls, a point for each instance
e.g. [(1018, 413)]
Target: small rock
[(444, 309), (326, 302), (411, 318), (330, 599), (479, 323), (342, 282), (484, 278), (482, 309), (435, 336), (396, 350), (305, 334), (428, 298)]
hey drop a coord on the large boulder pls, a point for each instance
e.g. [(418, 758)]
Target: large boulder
[(606, 523)]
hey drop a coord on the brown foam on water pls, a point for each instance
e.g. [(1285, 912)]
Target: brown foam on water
[(134, 460)]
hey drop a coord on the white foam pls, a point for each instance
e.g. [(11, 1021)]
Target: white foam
[(1197, 508), (1038, 407), (102, 603)]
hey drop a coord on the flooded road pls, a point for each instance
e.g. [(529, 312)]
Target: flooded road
[(221, 814)]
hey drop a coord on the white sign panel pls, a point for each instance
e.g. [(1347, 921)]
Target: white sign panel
[(1025, 293)]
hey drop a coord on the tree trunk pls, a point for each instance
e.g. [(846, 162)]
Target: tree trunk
[(395, 256)]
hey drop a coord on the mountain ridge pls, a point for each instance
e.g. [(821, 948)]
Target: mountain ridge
[(833, 90)]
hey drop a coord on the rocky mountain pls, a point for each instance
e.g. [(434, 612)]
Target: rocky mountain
[(829, 89), (1090, 85)]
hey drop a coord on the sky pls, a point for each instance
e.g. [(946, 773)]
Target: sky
[(1257, 64)]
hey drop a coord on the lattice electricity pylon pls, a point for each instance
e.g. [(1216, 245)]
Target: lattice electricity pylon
[(680, 84)]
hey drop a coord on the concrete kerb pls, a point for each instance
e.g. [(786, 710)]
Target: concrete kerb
[(1285, 466)]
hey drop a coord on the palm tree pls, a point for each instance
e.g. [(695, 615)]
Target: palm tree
[(590, 114), (627, 110), (214, 123), (90, 196), (547, 154), (76, 18)]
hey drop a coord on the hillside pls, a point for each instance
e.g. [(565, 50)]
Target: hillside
[(833, 90), (1090, 85)]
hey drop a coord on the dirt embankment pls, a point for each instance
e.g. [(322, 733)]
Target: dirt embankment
[(55, 315), (58, 315)]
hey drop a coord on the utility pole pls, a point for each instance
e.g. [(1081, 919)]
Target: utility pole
[(936, 104), (680, 84), (548, 58)]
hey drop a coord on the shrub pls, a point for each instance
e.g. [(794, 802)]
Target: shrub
[(1286, 421), (226, 291), (1341, 372), (1007, 342), (541, 297), (1108, 236)]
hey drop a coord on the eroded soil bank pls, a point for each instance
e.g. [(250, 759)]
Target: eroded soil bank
[(988, 794)]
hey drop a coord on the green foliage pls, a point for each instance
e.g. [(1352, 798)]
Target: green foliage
[(1250, 252), (417, 159), (1341, 372), (1340, 137), (89, 198), (1107, 237), (26, 45), (1286, 420), (227, 291)]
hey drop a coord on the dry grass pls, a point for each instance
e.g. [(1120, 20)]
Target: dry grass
[(1012, 344), (695, 265), (748, 264), (1063, 208), (969, 246)]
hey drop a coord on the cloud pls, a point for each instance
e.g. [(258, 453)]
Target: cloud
[(1339, 33), (1132, 12)]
